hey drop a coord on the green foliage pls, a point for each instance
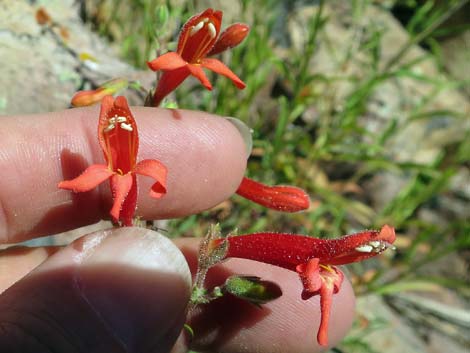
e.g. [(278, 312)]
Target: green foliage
[(291, 150)]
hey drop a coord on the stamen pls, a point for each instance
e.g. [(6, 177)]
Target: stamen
[(112, 120), (365, 248), (211, 28), (375, 246), (387, 245), (375, 243), (109, 127), (327, 268), (121, 119), (127, 127), (196, 28)]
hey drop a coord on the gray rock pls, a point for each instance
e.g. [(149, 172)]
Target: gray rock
[(41, 68), (395, 336)]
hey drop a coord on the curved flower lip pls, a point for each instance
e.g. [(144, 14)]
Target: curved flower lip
[(361, 246), (281, 197), (118, 138)]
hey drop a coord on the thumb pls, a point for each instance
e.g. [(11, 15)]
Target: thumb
[(118, 290)]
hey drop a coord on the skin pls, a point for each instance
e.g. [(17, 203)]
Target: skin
[(126, 290)]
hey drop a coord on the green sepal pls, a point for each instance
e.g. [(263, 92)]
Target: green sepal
[(252, 289)]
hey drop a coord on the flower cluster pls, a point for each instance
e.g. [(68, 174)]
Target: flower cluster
[(314, 260)]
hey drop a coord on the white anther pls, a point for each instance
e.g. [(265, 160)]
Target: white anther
[(127, 127), (109, 127), (364, 248), (212, 30), (376, 246), (196, 28), (112, 120), (121, 119), (375, 243)]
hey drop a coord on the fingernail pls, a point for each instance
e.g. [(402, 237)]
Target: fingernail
[(245, 131), (138, 283)]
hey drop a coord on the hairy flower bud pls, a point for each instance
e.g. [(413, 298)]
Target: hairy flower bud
[(230, 38)]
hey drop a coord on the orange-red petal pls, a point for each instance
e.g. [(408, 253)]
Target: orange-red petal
[(120, 187), (167, 62), (156, 170), (121, 103), (332, 278), (309, 274), (119, 145), (198, 72), (218, 67), (106, 104), (129, 205), (88, 180)]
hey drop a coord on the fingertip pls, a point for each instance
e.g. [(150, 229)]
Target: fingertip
[(123, 289), (205, 156)]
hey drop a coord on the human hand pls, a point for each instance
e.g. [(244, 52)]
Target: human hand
[(126, 289)]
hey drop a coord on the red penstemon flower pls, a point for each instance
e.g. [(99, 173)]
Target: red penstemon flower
[(280, 197), (196, 40), (119, 140), (315, 260)]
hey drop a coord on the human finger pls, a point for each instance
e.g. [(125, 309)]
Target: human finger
[(287, 324), (205, 156), (122, 289)]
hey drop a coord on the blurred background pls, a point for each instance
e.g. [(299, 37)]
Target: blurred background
[(364, 104)]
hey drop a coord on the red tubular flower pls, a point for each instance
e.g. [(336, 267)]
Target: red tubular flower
[(313, 259), (197, 38), (281, 198), (119, 140)]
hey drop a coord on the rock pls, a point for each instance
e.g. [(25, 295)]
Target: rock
[(421, 133), (40, 63), (419, 139), (435, 317), (395, 336)]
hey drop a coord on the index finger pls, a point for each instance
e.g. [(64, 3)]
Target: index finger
[(205, 156)]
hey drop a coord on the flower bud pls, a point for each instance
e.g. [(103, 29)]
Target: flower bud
[(280, 197), (90, 97), (230, 38)]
